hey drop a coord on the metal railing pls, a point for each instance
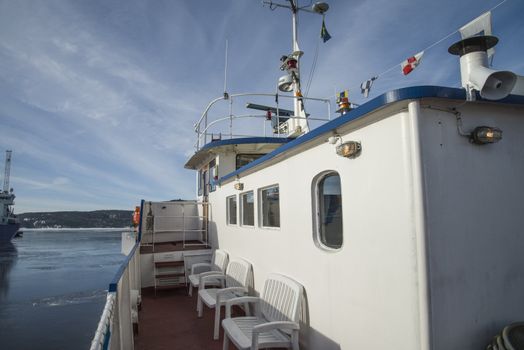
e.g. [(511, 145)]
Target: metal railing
[(115, 328), (204, 126)]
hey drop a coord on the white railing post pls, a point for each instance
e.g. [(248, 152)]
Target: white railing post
[(116, 325), (124, 312), (230, 117)]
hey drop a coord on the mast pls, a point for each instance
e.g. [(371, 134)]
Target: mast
[(291, 63), (297, 103)]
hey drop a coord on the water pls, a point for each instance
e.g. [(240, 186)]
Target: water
[(53, 287)]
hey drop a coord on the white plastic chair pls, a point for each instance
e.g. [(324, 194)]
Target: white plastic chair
[(275, 324), (234, 284), (218, 265)]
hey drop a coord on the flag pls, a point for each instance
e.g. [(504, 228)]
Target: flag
[(343, 94), (366, 86), (324, 33), (411, 63), (479, 26)]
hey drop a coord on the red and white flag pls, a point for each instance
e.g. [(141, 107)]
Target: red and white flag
[(411, 63)]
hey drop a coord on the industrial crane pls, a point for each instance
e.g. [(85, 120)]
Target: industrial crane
[(7, 170)]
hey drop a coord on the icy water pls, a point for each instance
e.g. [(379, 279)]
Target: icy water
[(53, 287)]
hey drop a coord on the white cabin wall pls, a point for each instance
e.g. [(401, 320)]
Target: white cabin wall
[(475, 220), (368, 287)]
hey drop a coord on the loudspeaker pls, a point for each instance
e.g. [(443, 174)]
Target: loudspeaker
[(492, 84), (474, 71)]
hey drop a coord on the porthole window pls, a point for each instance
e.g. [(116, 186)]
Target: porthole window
[(247, 208), (328, 208)]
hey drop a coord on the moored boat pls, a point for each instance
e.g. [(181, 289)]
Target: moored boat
[(400, 218), (9, 224)]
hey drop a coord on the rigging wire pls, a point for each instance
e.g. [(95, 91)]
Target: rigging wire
[(225, 69), (313, 68), (376, 76), (440, 41)]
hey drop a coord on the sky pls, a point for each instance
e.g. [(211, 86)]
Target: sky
[(98, 99)]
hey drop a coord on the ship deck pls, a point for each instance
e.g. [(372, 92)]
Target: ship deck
[(169, 321)]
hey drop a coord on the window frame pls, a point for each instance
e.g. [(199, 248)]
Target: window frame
[(261, 207), (317, 220), (252, 155), (200, 183), (241, 207), (228, 210), (213, 171)]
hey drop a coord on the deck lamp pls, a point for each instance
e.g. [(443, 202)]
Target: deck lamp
[(239, 186), (349, 149), (483, 135)]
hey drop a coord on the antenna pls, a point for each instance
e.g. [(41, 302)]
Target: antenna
[(291, 63), (226, 96), (7, 170)]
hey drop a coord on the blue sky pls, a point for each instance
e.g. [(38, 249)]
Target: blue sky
[(98, 98)]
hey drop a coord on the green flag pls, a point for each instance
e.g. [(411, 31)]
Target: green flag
[(324, 33)]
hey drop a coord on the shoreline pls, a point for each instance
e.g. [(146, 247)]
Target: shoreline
[(23, 229)]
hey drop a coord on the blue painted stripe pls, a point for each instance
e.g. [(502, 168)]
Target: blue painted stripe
[(114, 282), (107, 338), (411, 93), (237, 141), (245, 140)]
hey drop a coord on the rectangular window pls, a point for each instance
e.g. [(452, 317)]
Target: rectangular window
[(247, 207), (205, 177), (200, 182), (244, 159), (212, 175), (232, 210), (270, 207)]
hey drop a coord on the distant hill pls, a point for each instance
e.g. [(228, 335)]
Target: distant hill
[(76, 219)]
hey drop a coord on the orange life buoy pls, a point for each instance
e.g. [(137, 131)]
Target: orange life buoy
[(136, 216)]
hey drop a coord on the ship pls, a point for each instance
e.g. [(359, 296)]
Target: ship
[(396, 224), (9, 224)]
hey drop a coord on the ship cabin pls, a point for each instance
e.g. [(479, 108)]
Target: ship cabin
[(400, 219)]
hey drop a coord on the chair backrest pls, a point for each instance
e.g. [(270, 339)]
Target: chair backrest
[(219, 260), (238, 273), (281, 298)]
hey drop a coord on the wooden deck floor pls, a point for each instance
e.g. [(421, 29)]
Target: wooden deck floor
[(169, 321)]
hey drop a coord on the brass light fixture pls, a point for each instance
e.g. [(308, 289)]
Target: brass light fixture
[(349, 149), (482, 135)]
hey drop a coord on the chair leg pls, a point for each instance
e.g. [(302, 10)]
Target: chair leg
[(226, 342), (217, 322), (294, 340), (190, 289), (199, 306)]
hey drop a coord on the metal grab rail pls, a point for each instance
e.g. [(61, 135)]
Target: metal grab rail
[(202, 130), (115, 328)]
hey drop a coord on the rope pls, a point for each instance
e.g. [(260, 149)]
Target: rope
[(436, 43)]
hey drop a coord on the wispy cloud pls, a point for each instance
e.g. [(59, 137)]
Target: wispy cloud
[(98, 98)]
